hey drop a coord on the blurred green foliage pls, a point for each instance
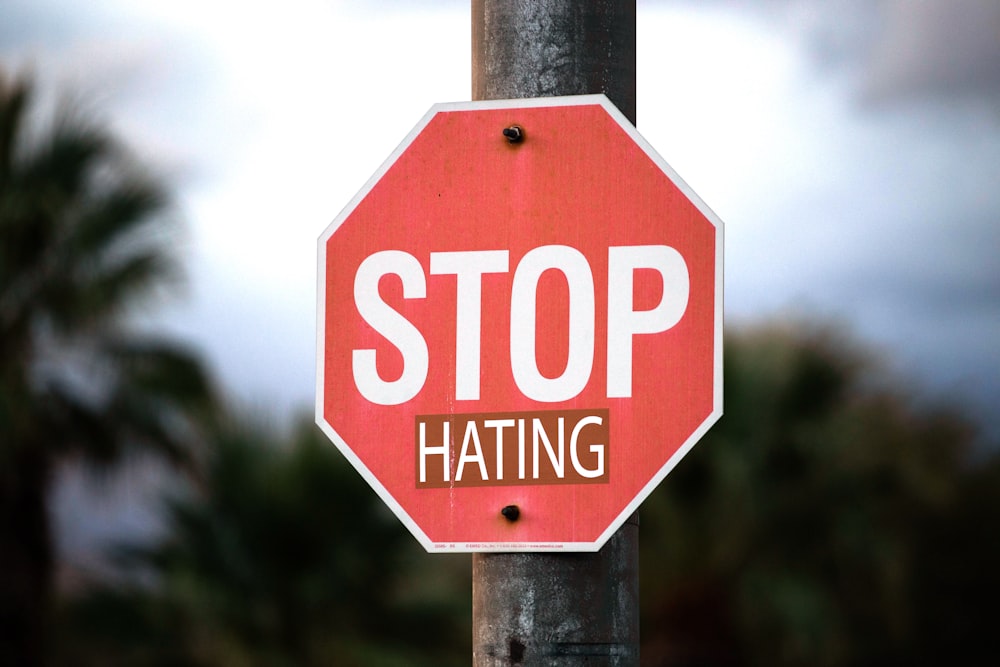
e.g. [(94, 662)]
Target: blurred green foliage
[(827, 519), (285, 557), (800, 530)]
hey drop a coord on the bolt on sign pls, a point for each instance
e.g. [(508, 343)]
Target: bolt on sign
[(520, 325)]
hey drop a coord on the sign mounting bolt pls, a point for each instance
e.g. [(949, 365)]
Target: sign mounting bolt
[(511, 513), (514, 134)]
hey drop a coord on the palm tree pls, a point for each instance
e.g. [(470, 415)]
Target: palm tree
[(83, 240)]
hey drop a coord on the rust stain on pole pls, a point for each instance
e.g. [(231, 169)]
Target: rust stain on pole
[(556, 609)]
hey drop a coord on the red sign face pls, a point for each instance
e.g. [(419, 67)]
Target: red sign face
[(533, 324)]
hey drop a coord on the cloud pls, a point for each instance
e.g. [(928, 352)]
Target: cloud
[(936, 47), (905, 50), (893, 51), (146, 79), (858, 181)]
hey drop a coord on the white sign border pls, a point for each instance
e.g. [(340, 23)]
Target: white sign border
[(717, 407)]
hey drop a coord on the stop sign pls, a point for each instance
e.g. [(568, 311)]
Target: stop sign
[(520, 325)]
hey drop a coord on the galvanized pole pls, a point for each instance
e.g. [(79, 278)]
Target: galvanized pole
[(546, 48), (556, 609)]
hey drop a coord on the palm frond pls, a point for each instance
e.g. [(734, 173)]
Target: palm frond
[(117, 216), (98, 294), (61, 168), (78, 425), (162, 368), (13, 98), (164, 397)]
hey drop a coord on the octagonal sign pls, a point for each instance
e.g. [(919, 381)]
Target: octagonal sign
[(520, 332)]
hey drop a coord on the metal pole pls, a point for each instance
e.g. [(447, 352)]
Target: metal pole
[(556, 609), (546, 48)]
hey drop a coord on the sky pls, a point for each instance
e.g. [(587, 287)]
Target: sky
[(852, 148)]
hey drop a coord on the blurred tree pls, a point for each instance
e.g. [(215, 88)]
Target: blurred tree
[(828, 519), (955, 575), (82, 242), (795, 533), (286, 558)]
